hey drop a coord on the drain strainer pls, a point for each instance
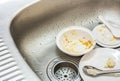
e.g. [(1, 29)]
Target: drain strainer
[(59, 70), (65, 72)]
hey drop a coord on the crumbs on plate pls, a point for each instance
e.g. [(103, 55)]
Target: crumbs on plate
[(110, 63)]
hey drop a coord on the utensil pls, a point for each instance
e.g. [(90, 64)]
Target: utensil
[(93, 71), (98, 58), (115, 29)]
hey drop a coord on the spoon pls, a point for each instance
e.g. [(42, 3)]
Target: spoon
[(93, 71), (115, 29)]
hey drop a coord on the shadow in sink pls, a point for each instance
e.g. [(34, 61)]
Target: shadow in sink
[(34, 29)]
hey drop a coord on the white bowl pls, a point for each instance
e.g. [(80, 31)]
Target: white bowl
[(104, 37), (75, 40)]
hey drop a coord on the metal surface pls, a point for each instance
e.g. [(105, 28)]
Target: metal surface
[(63, 69), (9, 70), (8, 10), (34, 29), (68, 74), (66, 71)]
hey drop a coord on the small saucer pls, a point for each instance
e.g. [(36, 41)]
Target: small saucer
[(104, 37)]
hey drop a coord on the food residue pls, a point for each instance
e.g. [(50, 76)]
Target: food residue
[(100, 30), (73, 33), (87, 43), (113, 39), (75, 44), (110, 63), (104, 36), (91, 71)]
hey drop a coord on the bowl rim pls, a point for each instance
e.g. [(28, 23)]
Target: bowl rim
[(76, 28)]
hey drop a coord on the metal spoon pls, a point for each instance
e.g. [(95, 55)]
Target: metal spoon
[(93, 71), (115, 29)]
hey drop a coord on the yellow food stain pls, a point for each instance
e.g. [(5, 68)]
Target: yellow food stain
[(73, 33), (113, 39), (71, 44), (87, 44), (66, 38), (110, 63), (100, 30), (72, 50)]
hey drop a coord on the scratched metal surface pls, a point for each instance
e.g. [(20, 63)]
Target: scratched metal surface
[(34, 29)]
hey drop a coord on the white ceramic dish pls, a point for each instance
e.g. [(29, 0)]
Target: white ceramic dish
[(98, 58), (115, 29), (75, 41), (104, 37)]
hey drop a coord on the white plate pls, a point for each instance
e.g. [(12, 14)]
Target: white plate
[(97, 58), (104, 37)]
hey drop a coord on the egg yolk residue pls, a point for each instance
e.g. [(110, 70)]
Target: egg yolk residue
[(113, 38), (75, 45), (87, 44)]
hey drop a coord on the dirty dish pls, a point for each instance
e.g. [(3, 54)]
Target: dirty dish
[(104, 37), (115, 29), (99, 58), (75, 40)]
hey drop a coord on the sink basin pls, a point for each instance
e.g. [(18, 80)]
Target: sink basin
[(34, 32)]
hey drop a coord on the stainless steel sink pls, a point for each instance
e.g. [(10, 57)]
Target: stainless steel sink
[(34, 31)]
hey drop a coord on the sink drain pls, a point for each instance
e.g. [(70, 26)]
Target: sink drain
[(59, 70), (65, 71)]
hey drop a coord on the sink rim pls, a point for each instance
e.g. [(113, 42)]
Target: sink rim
[(8, 39)]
